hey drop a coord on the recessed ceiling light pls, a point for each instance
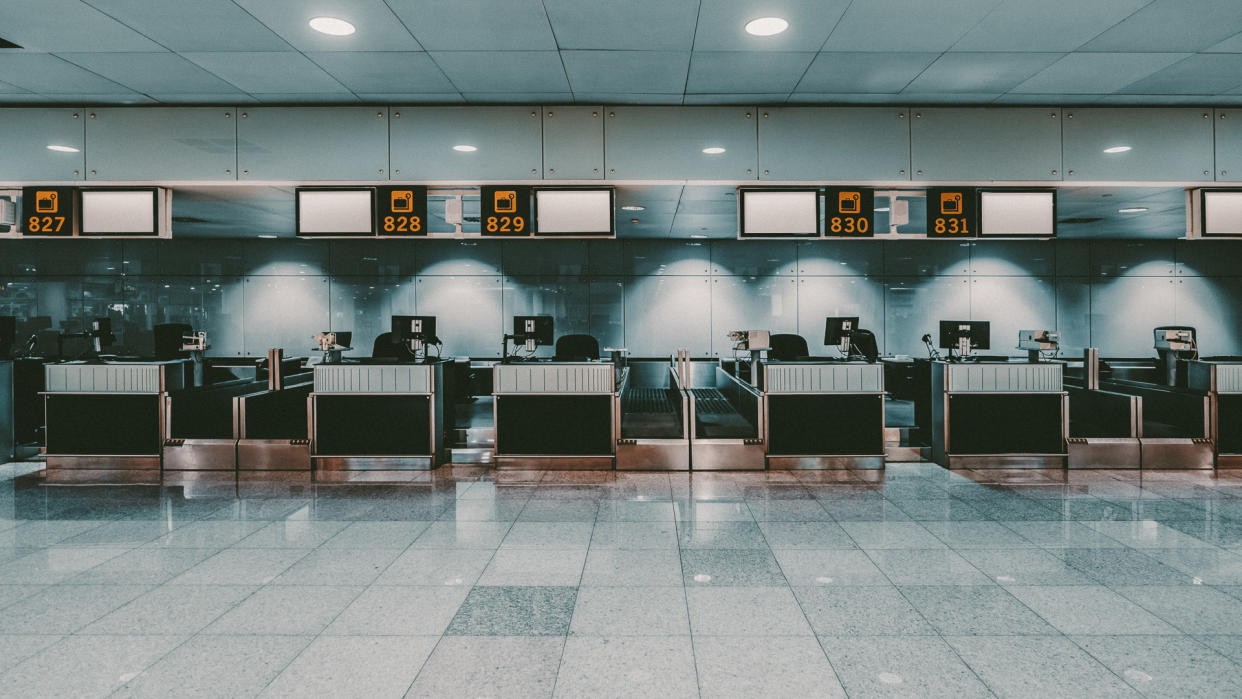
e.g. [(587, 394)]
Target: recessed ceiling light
[(1117, 149), (714, 150), (881, 208), (697, 235), (1132, 210), (633, 207), (464, 148), (63, 149), (267, 236), (332, 26), (766, 26)]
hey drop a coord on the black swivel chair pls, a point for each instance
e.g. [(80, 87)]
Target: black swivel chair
[(168, 340), (865, 344), (576, 348), (787, 348), (385, 348)]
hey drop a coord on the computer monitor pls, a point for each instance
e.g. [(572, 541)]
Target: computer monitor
[(965, 335), (413, 329), (8, 334), (837, 331), (532, 331)]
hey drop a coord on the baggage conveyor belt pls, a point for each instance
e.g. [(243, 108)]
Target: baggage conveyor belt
[(716, 418)]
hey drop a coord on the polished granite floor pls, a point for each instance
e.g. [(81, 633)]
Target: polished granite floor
[(911, 582)]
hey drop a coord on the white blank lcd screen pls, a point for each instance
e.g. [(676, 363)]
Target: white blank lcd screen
[(1016, 213), (1222, 213), (586, 211), (118, 211), (780, 213), (334, 211)]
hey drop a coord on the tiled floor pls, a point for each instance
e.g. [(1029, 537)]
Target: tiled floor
[(911, 582)]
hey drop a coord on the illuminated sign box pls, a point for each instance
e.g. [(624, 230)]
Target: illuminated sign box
[(768, 213), (1222, 213), (1017, 214), (328, 212), (574, 212)]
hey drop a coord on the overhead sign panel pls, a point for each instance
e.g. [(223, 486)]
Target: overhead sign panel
[(49, 211), (335, 211), (120, 212), (1222, 213), (1017, 213), (401, 211), (574, 212), (951, 212), (774, 213), (504, 211), (849, 212)]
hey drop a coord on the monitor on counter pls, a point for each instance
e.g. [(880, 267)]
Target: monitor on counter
[(536, 328), (838, 329), (978, 332), (417, 328)]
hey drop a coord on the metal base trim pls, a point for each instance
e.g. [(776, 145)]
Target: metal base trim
[(554, 463), (956, 461), (726, 456), (826, 462), (1178, 454), (272, 455), (1110, 453), (372, 463), (1229, 461), (201, 455), (654, 455)]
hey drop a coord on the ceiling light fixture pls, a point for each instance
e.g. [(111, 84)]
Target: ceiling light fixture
[(714, 150), (267, 237), (1117, 149), (1132, 210), (697, 235), (879, 209), (63, 149), (766, 26), (464, 148), (633, 207), (332, 26)]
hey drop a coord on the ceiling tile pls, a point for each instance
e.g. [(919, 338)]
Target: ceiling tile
[(503, 71), (980, 72), (626, 98), (845, 98), (1173, 25), (66, 25), (383, 71), (1231, 45), (16, 98), (906, 25), (378, 29), (167, 73), (1203, 74), (746, 71), (47, 74), (269, 72), (1096, 73), (722, 24), (1047, 99), (197, 25), (1147, 100), (518, 97), (635, 25), (7, 88), (477, 25), (202, 98), (916, 98), (305, 98), (627, 71), (864, 72), (412, 98), (1053, 26)]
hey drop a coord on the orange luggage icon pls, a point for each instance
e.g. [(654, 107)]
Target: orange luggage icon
[(505, 202), (402, 201), (45, 202), (951, 203), (849, 202)]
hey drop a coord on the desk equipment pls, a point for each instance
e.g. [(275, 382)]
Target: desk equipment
[(414, 334), (964, 336), (824, 414), (333, 345), (1038, 344), (529, 333)]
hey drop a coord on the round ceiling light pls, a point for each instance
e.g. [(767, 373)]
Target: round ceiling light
[(464, 148), (633, 207), (332, 26), (1117, 149), (766, 26), (63, 149), (1132, 210), (714, 150)]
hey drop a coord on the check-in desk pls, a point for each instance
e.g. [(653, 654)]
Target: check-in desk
[(375, 422), (106, 422), (1175, 426), (555, 415), (726, 419), (654, 414), (273, 432), (1105, 429), (824, 415), (1221, 382), (998, 415)]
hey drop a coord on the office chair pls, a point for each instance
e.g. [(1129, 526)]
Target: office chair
[(576, 348), (787, 347), (385, 348), (865, 344), (168, 338)]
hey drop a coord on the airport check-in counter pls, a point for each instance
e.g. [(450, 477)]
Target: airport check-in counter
[(998, 415), (105, 422), (726, 418), (824, 414), (1105, 429), (1221, 382), (202, 430), (376, 421), (555, 415), (654, 415)]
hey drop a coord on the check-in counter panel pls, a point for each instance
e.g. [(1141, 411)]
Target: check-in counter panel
[(727, 419), (824, 414), (1222, 383), (555, 414), (654, 429)]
